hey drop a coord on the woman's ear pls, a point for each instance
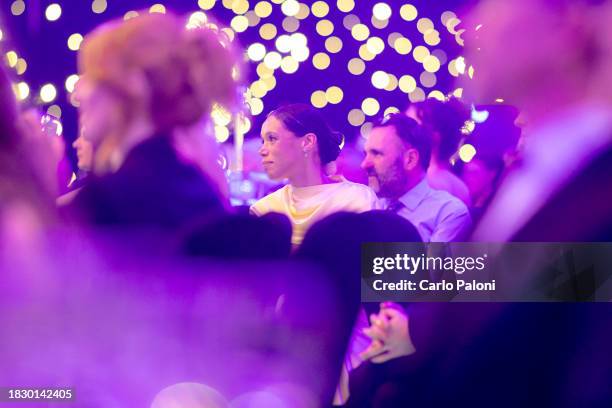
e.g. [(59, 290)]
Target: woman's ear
[(309, 142)]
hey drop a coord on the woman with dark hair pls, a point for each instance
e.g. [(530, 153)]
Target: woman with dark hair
[(298, 145), (444, 120)]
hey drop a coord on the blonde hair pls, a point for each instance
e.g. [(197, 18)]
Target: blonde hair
[(153, 64)]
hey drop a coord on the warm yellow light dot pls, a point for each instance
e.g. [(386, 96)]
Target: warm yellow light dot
[(428, 80), (256, 52), (12, 58), (55, 110), (451, 24), (325, 28), (437, 95), (243, 125), (345, 5), (158, 8), (318, 99), (447, 15), (431, 64), (467, 152), (220, 115), (424, 24), (71, 82), (320, 9), (370, 106), (432, 37), (228, 4), (321, 60), (283, 43), (499, 100), (365, 54), (350, 21), (270, 82), (256, 106), (392, 38), (418, 95), (289, 65), (460, 65), (1, 35), (240, 6), (393, 82), (221, 134), (420, 53), (239, 23), (381, 11), (407, 84), (48, 93), (471, 72), (390, 111), (380, 24), (18, 7), (229, 33), (408, 12), (197, 19), (333, 44), (22, 91), (458, 93), (74, 41), (290, 7), (403, 46), (130, 14), (380, 79), (53, 12), (99, 6), (300, 54), (298, 40), (264, 71), (356, 117), (206, 4), (303, 13), (291, 24), (267, 31), (360, 32), (21, 66), (365, 129), (263, 9), (273, 60), (334, 95), (375, 45), (356, 66)]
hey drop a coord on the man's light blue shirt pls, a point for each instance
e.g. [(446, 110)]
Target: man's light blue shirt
[(437, 215)]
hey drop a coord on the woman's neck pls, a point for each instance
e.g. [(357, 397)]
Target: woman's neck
[(312, 175)]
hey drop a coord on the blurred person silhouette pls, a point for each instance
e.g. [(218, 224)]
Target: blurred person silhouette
[(343, 264), (241, 237), (444, 121), (398, 152), (146, 91), (562, 84), (28, 164), (482, 175), (298, 145)]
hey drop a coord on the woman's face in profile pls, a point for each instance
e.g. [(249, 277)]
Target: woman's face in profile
[(281, 151)]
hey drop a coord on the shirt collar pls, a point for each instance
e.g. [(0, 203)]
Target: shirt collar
[(413, 197)]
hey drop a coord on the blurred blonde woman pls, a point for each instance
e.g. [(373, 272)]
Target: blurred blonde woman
[(146, 91)]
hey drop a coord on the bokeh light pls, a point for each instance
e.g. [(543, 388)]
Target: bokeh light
[(53, 12)]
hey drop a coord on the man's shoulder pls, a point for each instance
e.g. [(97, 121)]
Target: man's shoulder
[(446, 201)]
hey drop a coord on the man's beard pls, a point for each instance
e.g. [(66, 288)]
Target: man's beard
[(391, 184)]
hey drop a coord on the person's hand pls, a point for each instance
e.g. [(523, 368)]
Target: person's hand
[(389, 334)]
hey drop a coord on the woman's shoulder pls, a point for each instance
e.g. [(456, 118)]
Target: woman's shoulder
[(358, 194), (273, 202)]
